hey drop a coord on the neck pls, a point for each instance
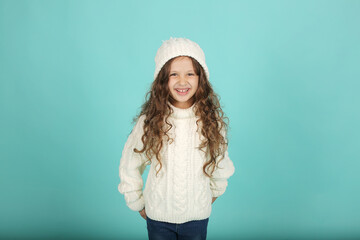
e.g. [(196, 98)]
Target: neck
[(182, 113)]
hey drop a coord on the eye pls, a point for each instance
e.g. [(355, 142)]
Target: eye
[(172, 74), (191, 74)]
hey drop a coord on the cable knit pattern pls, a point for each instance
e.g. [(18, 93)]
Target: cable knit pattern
[(156, 196), (180, 156), (181, 192)]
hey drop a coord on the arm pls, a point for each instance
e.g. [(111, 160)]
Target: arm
[(219, 180), (131, 168)]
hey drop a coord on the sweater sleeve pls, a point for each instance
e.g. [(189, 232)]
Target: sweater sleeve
[(219, 180), (132, 166)]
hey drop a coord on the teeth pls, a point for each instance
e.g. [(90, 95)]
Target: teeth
[(180, 90)]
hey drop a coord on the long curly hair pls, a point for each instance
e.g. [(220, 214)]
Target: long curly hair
[(207, 109)]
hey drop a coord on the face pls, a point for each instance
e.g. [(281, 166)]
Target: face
[(183, 82)]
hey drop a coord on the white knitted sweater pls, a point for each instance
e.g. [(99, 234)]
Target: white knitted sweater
[(181, 192)]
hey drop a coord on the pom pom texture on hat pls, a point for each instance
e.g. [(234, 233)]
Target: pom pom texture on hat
[(179, 47)]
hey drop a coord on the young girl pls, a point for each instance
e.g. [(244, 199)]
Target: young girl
[(181, 132)]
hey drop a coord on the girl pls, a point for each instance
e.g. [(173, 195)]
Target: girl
[(181, 132)]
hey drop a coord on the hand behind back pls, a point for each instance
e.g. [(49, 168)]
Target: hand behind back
[(143, 213)]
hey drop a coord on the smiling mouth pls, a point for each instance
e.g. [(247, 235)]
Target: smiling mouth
[(182, 90)]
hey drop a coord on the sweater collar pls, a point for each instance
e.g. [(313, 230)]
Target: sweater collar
[(181, 113)]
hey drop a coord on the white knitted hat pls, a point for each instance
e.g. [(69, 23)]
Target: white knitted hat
[(179, 47)]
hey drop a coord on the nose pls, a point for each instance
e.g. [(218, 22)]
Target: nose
[(183, 79)]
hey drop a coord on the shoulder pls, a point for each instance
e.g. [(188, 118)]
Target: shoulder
[(140, 122), (141, 119)]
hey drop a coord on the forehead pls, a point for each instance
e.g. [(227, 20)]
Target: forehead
[(182, 62)]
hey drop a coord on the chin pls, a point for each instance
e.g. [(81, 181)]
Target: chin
[(183, 100)]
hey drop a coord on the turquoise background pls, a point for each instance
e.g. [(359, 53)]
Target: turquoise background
[(74, 73)]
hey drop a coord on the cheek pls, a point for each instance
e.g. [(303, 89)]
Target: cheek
[(195, 84), (171, 84)]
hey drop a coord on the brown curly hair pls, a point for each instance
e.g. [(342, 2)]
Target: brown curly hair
[(207, 109)]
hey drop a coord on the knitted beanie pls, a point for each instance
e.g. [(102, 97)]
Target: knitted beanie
[(179, 47)]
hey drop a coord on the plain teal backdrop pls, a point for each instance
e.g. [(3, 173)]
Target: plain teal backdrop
[(73, 74)]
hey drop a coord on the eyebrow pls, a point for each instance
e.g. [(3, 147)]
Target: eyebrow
[(186, 71)]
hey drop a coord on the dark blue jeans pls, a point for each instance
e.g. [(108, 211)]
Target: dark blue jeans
[(192, 230)]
